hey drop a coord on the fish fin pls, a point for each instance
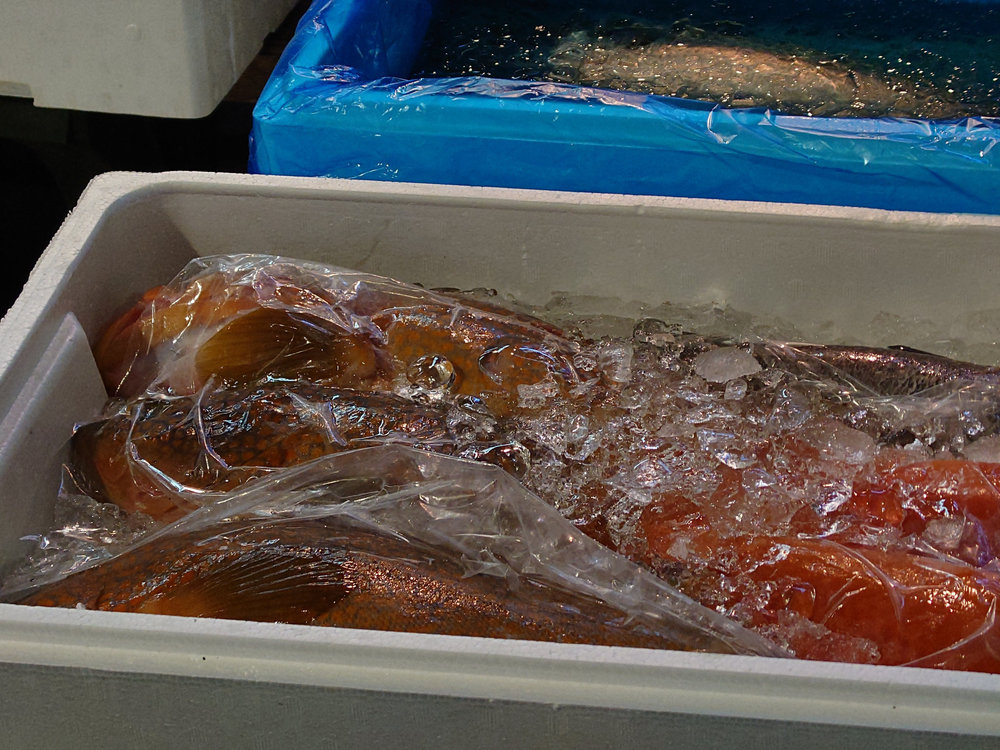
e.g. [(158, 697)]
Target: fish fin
[(910, 350), (261, 583), (283, 344)]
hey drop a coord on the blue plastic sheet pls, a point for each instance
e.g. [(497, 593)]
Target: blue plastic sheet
[(339, 104)]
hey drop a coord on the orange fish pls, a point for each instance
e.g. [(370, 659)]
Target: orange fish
[(892, 605), (273, 319), (322, 572)]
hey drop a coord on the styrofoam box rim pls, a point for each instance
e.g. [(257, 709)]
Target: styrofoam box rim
[(140, 57), (720, 685)]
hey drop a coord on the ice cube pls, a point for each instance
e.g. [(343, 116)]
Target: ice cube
[(986, 449), (725, 363), (585, 360), (633, 396), (655, 332), (944, 533), (727, 447), (651, 473), (736, 389), (972, 425), (838, 442), (577, 428), (581, 442), (615, 358), (536, 395)]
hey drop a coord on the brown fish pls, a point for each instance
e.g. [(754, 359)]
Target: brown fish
[(742, 76), (325, 572), (265, 317), (896, 371), (156, 454)]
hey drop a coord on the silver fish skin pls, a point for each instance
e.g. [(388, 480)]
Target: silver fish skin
[(885, 371), (743, 76)]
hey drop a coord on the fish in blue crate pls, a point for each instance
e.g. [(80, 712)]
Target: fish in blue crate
[(860, 102), (857, 59), (738, 76)]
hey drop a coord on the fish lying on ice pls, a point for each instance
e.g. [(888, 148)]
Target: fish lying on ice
[(379, 340), (741, 76), (885, 371), (877, 606), (157, 455), (329, 573)]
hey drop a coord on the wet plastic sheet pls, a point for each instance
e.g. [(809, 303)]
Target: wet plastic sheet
[(841, 500), (477, 514), (247, 363), (340, 104)]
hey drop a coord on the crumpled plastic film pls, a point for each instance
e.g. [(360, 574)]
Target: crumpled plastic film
[(85, 531), (239, 318), (478, 516), (842, 501), (336, 108), (248, 363)]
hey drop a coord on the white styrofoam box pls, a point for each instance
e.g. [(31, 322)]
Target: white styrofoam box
[(163, 58), (125, 680)]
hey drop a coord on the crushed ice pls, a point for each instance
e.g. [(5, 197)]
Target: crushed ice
[(674, 414), (726, 363)]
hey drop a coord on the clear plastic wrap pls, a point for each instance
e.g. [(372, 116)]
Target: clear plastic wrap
[(247, 363), (396, 539), (345, 101), (842, 501), (238, 319), (149, 458)]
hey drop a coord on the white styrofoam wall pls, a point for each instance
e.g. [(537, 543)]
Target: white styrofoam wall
[(163, 58), (278, 683)]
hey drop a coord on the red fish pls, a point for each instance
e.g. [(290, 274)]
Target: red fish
[(893, 605)]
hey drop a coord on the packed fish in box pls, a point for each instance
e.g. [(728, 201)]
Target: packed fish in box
[(287, 441), (868, 103)]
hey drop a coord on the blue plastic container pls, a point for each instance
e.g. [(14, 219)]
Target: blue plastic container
[(339, 105)]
